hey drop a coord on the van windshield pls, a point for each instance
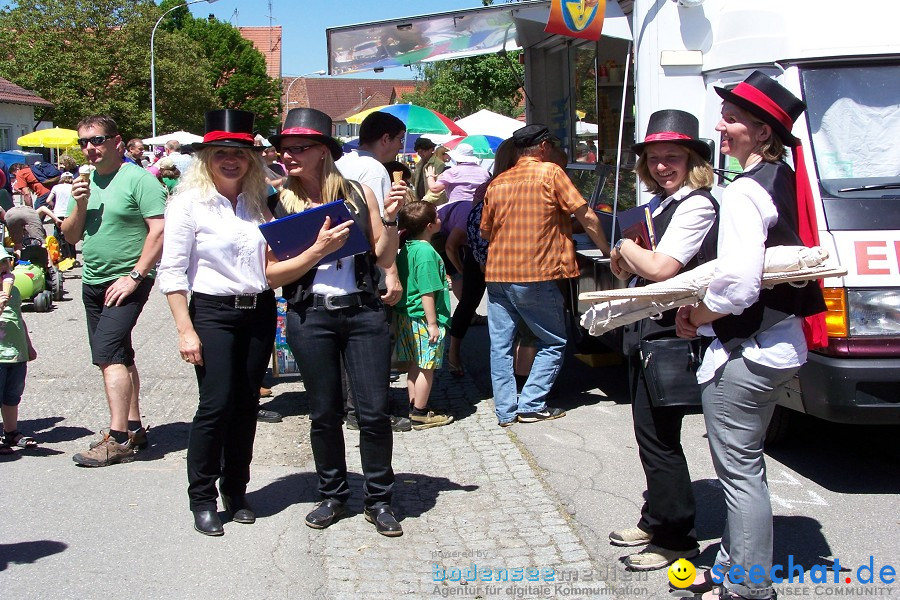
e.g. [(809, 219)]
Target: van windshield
[(854, 120)]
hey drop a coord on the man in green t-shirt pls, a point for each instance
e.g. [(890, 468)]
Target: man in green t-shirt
[(119, 215)]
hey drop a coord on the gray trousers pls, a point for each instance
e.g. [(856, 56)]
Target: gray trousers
[(737, 406)]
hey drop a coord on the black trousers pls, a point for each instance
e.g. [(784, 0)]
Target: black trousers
[(237, 348), (473, 290), (669, 510), (319, 339)]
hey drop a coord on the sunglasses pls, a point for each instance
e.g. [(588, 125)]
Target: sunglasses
[(297, 150), (95, 140)]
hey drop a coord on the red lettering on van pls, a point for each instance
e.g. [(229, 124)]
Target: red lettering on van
[(866, 253)]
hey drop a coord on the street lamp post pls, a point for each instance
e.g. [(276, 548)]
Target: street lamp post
[(152, 65), (287, 95)]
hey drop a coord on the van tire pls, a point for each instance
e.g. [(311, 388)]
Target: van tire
[(779, 427)]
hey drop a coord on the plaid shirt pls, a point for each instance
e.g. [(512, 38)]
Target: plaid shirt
[(527, 218)]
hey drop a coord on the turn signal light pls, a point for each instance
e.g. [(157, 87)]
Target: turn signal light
[(836, 312)]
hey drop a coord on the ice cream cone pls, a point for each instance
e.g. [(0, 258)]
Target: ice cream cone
[(397, 176), (8, 280), (84, 173)]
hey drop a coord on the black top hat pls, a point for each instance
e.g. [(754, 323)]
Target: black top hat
[(766, 99), (309, 123), (228, 127), (675, 127)]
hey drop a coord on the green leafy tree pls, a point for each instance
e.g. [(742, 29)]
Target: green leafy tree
[(92, 56), (235, 68), (461, 87)]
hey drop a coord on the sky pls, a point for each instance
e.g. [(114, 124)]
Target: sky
[(303, 22)]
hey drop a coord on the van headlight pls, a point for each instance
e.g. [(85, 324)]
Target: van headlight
[(874, 312)]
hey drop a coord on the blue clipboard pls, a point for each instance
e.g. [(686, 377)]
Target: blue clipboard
[(290, 236)]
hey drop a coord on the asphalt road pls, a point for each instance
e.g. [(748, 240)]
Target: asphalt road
[(835, 488)]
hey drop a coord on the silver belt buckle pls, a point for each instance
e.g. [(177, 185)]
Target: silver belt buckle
[(329, 304), (245, 301)]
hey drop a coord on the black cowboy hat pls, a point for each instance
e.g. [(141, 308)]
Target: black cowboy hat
[(309, 123), (675, 127), (230, 128), (769, 101)]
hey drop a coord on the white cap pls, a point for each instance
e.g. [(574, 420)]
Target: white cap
[(464, 153)]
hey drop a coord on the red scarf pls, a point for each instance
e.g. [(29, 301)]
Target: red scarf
[(814, 328)]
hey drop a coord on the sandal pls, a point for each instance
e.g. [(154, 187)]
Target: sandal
[(6, 450), (16, 439), (455, 370), (704, 586)]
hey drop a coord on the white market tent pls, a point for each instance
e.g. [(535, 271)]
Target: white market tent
[(485, 122), (182, 137), (585, 128)]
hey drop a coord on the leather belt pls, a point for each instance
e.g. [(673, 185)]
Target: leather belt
[(332, 302), (241, 301)]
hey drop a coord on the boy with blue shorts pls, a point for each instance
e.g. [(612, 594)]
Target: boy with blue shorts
[(422, 316), (15, 352)]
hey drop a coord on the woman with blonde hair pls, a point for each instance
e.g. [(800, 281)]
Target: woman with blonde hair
[(213, 249), (335, 315), (674, 165)]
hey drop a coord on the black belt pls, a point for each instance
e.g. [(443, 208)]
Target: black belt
[(242, 301), (332, 302)]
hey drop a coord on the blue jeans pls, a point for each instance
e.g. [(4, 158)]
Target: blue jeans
[(541, 306), (359, 336)]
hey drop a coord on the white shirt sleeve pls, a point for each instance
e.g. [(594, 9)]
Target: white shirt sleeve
[(178, 244), (689, 225), (745, 217)]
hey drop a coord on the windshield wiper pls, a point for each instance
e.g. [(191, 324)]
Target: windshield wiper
[(875, 186)]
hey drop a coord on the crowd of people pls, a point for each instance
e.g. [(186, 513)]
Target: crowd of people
[(450, 227)]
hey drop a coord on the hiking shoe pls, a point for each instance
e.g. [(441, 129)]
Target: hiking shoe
[(545, 415), (138, 439), (656, 557), (429, 420), (351, 422), (107, 452), (633, 536), (400, 424)]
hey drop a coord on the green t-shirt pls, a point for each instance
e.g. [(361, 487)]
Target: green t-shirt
[(421, 271), (114, 228), (13, 343)]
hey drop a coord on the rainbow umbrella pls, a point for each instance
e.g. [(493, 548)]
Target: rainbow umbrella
[(484, 145), (417, 119)]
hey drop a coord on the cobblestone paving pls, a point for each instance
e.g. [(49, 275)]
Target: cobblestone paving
[(467, 493)]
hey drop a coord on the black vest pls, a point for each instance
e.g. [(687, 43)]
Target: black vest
[(363, 264), (665, 325), (782, 301)]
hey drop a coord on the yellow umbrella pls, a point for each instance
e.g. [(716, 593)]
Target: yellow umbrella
[(50, 138)]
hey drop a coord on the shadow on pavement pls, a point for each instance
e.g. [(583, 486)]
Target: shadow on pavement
[(28, 552), (414, 493), (46, 432), (166, 438), (847, 459)]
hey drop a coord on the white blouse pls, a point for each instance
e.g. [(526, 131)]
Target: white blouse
[(212, 249), (691, 222), (745, 217)]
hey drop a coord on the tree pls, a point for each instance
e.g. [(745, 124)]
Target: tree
[(92, 57), (236, 70), (461, 87)]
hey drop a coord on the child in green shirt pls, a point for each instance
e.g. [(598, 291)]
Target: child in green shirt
[(15, 351), (422, 316)]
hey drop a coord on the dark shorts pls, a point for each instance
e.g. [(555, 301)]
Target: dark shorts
[(109, 327), (12, 382)]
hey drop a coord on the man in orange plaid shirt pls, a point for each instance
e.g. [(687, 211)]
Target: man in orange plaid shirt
[(527, 218)]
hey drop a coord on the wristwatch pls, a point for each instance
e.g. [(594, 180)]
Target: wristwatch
[(136, 275), (387, 223), (618, 246)]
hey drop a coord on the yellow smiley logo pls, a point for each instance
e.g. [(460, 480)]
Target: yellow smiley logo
[(682, 573)]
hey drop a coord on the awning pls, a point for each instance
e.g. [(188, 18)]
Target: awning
[(455, 34)]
